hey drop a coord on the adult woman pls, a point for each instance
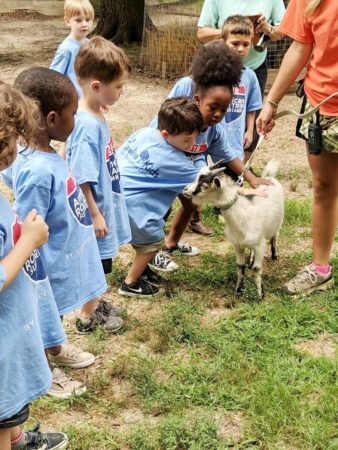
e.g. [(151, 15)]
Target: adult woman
[(214, 12), (308, 22)]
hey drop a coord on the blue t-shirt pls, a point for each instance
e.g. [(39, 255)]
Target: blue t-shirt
[(64, 58), (153, 173), (247, 98), (24, 371), (91, 157), (49, 319), (43, 181)]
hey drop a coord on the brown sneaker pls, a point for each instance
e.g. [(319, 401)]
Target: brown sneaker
[(307, 281)]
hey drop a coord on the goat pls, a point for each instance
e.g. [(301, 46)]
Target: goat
[(251, 220)]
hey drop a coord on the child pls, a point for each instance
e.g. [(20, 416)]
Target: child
[(24, 370), (239, 121), (79, 17), (156, 165), (41, 178), (102, 69), (216, 71)]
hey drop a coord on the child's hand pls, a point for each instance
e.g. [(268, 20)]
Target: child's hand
[(100, 225), (35, 229), (256, 181), (248, 137), (257, 192)]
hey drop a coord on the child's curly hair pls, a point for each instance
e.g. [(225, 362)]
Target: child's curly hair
[(19, 116), (215, 64)]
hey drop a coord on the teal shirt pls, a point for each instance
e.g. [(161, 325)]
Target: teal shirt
[(214, 12)]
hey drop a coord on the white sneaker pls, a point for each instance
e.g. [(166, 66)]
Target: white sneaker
[(64, 387), (73, 357), (163, 263)]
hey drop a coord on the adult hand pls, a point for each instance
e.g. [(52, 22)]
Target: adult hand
[(262, 25), (266, 119)]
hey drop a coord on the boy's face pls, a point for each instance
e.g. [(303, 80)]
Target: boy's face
[(182, 142), (61, 124), (213, 104), (10, 152), (80, 25), (109, 93), (241, 43)]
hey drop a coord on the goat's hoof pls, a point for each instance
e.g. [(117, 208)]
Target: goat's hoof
[(239, 291), (275, 257)]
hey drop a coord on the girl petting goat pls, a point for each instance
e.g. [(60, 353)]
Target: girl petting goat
[(251, 220)]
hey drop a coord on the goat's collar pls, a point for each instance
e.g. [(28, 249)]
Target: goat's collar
[(229, 204)]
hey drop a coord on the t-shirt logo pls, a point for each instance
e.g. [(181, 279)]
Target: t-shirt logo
[(198, 148), (77, 202), (112, 167), (33, 267), (237, 105)]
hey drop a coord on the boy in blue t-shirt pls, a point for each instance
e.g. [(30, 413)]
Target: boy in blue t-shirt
[(79, 17), (156, 164), (102, 69), (237, 33), (24, 371)]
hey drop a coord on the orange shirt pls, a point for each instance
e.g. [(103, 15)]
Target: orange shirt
[(321, 30)]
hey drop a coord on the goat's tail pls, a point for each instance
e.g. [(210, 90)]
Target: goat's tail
[(271, 168)]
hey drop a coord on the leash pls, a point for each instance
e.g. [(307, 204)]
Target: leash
[(283, 113)]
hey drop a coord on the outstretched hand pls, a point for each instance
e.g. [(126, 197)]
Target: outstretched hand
[(266, 119)]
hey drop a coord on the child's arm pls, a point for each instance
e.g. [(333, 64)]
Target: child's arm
[(248, 136), (99, 222), (60, 62), (34, 233)]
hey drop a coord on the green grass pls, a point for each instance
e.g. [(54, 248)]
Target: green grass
[(181, 368)]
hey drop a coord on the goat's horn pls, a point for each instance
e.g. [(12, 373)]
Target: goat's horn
[(209, 161), (218, 165)]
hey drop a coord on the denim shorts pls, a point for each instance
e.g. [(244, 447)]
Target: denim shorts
[(18, 419)]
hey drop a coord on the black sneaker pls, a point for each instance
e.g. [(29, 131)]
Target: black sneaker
[(35, 440), (100, 317), (152, 277), (140, 287)]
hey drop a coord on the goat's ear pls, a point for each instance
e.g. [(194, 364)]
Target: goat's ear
[(217, 183), (209, 160)]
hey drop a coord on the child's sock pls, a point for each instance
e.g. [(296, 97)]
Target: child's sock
[(323, 270), (16, 442)]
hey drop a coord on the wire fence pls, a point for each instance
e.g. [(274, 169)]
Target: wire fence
[(168, 48)]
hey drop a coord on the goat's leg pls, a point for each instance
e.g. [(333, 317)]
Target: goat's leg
[(240, 260), (251, 258), (257, 267), (274, 248)]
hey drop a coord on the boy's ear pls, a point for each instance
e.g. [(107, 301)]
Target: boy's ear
[(95, 86), (164, 134), (66, 21), (52, 119), (197, 98)]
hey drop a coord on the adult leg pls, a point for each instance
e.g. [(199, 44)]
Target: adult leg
[(324, 169)]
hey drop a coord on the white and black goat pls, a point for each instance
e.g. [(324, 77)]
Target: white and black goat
[(251, 220)]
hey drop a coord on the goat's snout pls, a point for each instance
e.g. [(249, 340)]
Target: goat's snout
[(187, 192)]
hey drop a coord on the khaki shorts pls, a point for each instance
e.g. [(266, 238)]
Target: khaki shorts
[(143, 249), (329, 125)]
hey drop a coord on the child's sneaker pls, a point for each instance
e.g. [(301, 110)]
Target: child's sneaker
[(163, 263), (71, 356), (110, 309), (307, 281), (184, 249), (140, 287), (152, 277), (101, 317), (34, 439), (64, 387)]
